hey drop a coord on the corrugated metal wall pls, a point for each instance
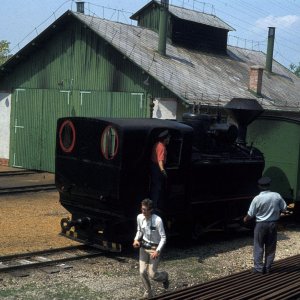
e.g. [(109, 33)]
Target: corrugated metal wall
[(74, 72), (279, 141), (76, 58), (26, 129), (54, 105), (36, 112), (150, 18)]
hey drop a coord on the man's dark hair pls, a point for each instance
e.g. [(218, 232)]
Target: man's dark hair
[(148, 203)]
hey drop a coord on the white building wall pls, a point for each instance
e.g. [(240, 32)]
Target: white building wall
[(165, 108), (5, 106)]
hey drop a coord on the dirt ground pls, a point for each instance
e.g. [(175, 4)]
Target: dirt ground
[(31, 222)]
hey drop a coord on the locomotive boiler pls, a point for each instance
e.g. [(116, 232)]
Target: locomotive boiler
[(102, 173)]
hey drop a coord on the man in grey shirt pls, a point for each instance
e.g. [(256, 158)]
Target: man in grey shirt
[(150, 238), (266, 209)]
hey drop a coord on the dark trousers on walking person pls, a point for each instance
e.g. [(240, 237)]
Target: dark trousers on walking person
[(265, 239), (157, 187)]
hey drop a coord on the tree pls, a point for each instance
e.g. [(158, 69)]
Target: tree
[(295, 69), (4, 51)]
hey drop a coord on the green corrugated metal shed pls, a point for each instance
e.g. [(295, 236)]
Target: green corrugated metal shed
[(87, 66), (69, 70), (279, 139)]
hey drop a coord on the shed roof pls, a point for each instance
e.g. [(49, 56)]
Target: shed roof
[(189, 15), (207, 79)]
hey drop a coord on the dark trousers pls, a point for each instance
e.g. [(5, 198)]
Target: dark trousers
[(157, 187), (265, 240)]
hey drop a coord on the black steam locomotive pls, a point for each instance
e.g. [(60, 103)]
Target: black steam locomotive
[(102, 172)]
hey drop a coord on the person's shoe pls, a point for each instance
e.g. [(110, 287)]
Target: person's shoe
[(166, 283), (148, 295), (266, 270)]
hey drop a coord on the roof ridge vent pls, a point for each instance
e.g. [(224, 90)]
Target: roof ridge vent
[(80, 6)]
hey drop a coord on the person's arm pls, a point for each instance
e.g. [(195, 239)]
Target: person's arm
[(163, 239), (247, 218), (251, 212), (161, 165), (160, 154), (136, 244), (138, 236), (283, 207)]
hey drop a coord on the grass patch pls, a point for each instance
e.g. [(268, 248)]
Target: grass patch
[(58, 292)]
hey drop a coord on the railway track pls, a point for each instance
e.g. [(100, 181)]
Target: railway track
[(281, 284), (27, 189), (47, 258), (24, 181), (16, 173)]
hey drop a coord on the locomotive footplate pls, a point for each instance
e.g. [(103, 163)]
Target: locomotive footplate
[(96, 242)]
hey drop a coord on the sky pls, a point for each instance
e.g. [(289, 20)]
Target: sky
[(21, 20)]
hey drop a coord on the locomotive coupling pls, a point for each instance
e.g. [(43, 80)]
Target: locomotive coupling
[(66, 223)]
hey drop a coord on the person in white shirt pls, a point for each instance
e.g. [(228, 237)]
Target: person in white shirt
[(150, 238), (266, 209)]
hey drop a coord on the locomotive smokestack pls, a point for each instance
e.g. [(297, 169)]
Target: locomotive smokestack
[(270, 49), (163, 26), (243, 111)]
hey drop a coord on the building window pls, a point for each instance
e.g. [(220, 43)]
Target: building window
[(67, 136), (109, 142)]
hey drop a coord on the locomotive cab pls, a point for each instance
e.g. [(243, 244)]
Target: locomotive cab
[(102, 173)]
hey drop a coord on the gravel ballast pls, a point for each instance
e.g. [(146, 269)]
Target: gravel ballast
[(31, 222)]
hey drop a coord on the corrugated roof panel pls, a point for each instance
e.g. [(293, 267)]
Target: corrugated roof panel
[(195, 76), (189, 15), (199, 17)]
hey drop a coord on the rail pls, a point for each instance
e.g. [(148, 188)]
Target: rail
[(48, 257), (26, 189)]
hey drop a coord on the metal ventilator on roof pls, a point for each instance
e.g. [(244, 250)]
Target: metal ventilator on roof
[(163, 26), (270, 49), (80, 7)]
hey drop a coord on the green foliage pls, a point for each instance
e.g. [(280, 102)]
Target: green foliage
[(4, 51), (295, 69)]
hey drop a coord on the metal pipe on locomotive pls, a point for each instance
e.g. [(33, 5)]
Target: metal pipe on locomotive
[(102, 172)]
